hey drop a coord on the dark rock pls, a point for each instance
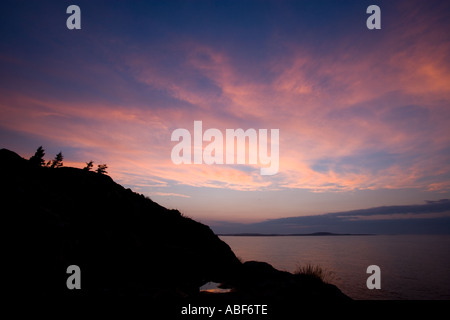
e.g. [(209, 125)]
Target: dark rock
[(262, 281)]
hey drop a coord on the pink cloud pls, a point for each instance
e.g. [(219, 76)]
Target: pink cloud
[(333, 106)]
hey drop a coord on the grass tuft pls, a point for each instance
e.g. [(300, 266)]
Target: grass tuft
[(314, 271)]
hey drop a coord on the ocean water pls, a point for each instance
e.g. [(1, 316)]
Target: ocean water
[(413, 267)]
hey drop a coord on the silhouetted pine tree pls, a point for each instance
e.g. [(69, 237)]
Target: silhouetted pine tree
[(58, 161), (38, 158)]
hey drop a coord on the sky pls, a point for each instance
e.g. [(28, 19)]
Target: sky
[(363, 115)]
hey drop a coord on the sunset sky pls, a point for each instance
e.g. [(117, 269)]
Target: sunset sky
[(363, 115)]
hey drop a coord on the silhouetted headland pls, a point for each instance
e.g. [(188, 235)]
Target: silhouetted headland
[(123, 242)]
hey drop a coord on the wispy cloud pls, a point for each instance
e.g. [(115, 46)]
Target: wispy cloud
[(169, 194)]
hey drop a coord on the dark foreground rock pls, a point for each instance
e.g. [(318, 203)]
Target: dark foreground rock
[(124, 243), (259, 281)]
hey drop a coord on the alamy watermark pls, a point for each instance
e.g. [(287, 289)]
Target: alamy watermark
[(235, 147), (374, 280), (74, 280)]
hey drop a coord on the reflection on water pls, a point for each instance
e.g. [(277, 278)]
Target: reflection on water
[(213, 287), (412, 266)]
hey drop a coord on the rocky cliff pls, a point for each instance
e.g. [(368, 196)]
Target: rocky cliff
[(123, 242)]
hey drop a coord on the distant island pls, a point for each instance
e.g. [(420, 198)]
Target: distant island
[(292, 234)]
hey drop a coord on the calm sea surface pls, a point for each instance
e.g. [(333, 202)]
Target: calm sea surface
[(412, 266)]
